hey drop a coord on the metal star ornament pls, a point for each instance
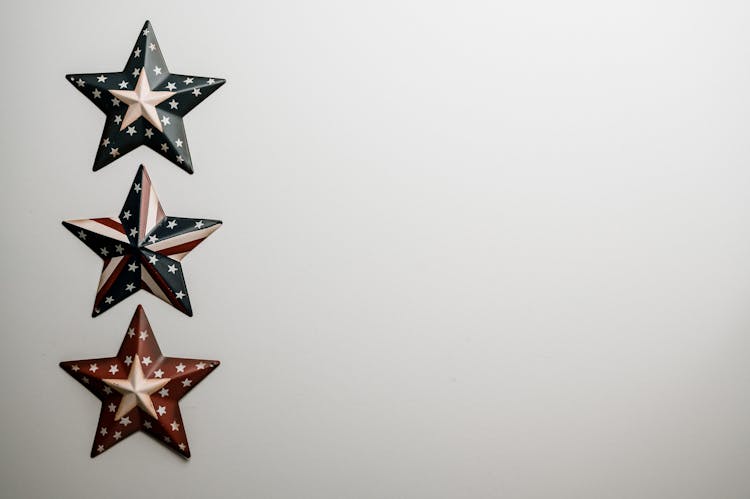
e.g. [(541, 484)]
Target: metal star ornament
[(140, 389), (144, 104), (142, 248)]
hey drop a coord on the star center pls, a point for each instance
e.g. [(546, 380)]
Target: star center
[(141, 102), (136, 390)]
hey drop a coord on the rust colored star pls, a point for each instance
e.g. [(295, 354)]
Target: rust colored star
[(140, 389)]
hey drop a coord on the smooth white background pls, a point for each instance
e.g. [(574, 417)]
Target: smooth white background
[(471, 250)]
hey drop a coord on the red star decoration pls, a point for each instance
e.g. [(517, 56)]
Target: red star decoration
[(139, 389)]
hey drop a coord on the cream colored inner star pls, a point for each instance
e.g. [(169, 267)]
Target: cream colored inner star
[(141, 102), (136, 390)]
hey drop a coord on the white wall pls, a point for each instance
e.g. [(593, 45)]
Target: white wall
[(471, 250)]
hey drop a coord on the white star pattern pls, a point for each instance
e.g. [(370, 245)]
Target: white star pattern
[(113, 369), (171, 86), (146, 361), (186, 382), (128, 360), (180, 367), (143, 335), (132, 267), (179, 295), (173, 104), (161, 410), (158, 374), (172, 269), (101, 78), (171, 224), (152, 259), (175, 426), (93, 368), (164, 392)]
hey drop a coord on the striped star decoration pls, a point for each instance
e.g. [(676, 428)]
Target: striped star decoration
[(144, 104), (140, 389), (142, 248)]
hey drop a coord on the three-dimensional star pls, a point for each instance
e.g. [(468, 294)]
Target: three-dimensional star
[(138, 395), (144, 104), (142, 248)]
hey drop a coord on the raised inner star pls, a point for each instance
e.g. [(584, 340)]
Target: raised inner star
[(136, 390), (141, 102)]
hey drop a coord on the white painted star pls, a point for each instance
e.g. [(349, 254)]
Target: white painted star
[(80, 82), (180, 367), (75, 368), (137, 52), (165, 147), (99, 448), (165, 120), (164, 392), (199, 224), (171, 86), (137, 187), (126, 215), (186, 382), (200, 366), (114, 152), (107, 390), (143, 335), (175, 426), (152, 259), (157, 70), (133, 232), (146, 361), (118, 119), (179, 159), (131, 131), (130, 287), (147, 424), (128, 359), (171, 224), (132, 267), (113, 369), (108, 300), (82, 235), (101, 78), (136, 391), (211, 81), (149, 133), (117, 435), (161, 410), (119, 249), (93, 368), (172, 268), (182, 446), (96, 93), (158, 374), (115, 102), (103, 431), (112, 407), (141, 102), (196, 91), (179, 295), (105, 142), (173, 104), (188, 81), (123, 84), (131, 333), (178, 142), (124, 421), (136, 72), (152, 238), (146, 32), (152, 47)]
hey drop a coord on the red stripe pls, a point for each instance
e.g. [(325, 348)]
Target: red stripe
[(112, 278), (110, 223), (181, 248)]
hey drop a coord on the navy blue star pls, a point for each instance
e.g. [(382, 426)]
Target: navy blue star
[(144, 104)]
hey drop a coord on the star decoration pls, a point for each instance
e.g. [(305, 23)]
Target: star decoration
[(142, 248), (133, 398), (147, 104)]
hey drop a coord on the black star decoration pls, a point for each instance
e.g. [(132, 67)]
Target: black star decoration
[(142, 248), (144, 104)]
